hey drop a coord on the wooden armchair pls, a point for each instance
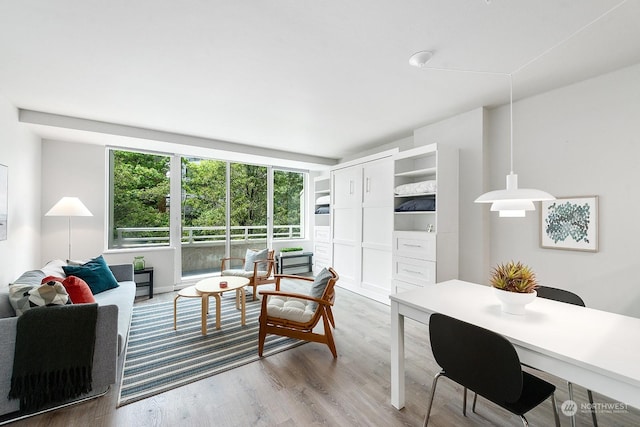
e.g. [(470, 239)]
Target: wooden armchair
[(295, 315), (256, 275)]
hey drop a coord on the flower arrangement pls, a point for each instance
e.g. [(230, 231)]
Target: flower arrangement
[(514, 277)]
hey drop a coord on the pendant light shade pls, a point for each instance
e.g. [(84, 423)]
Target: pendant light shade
[(513, 201)]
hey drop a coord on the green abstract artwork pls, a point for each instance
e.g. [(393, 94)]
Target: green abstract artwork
[(570, 223)]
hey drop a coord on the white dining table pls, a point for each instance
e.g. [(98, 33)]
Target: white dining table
[(592, 348)]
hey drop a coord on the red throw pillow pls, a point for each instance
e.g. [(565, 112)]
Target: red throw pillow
[(78, 290)]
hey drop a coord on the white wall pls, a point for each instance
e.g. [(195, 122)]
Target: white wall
[(466, 132), (72, 169), (20, 151), (583, 139)]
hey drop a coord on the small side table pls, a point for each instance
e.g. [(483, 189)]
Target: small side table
[(306, 261), (144, 278)]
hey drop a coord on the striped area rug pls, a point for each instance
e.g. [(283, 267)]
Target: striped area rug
[(159, 358)]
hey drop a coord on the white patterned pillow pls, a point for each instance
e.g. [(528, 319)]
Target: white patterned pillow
[(19, 297), (26, 297)]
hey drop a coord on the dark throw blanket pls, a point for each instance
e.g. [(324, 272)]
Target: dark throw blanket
[(54, 354)]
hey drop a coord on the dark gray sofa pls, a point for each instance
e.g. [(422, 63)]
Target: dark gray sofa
[(112, 329)]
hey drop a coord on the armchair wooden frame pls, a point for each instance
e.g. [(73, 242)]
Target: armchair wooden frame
[(257, 279), (298, 330)]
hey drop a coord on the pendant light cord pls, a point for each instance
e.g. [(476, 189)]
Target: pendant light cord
[(511, 117)]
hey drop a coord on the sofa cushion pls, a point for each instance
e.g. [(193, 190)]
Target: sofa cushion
[(32, 277), (122, 297), (25, 297), (19, 297), (48, 294), (95, 272), (78, 290), (54, 268)]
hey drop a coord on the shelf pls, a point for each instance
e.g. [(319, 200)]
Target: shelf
[(323, 191), (418, 172), (414, 195), (414, 212)]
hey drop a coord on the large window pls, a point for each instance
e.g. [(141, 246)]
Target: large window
[(204, 215), (224, 207), (288, 204), (248, 214), (139, 208)]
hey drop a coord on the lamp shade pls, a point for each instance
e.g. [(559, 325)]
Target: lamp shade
[(513, 201), (69, 206)]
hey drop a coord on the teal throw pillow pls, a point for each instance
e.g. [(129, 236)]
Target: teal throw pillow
[(319, 285), (96, 273), (252, 256)]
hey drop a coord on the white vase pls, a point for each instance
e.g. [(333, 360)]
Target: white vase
[(514, 302)]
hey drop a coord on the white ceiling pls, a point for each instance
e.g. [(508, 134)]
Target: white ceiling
[(319, 77)]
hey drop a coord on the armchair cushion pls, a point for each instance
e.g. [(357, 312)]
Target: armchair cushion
[(252, 256), (289, 308), (319, 285), (241, 273)]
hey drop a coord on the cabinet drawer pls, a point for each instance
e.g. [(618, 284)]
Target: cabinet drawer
[(415, 271), (322, 234), (322, 252), (400, 286), (415, 245)]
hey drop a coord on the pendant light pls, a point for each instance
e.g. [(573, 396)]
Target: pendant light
[(513, 201)]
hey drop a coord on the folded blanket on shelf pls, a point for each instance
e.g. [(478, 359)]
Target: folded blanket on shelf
[(322, 210), (416, 188), (53, 354), (323, 200), (428, 204)]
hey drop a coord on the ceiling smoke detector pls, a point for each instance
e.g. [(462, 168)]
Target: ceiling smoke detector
[(419, 59)]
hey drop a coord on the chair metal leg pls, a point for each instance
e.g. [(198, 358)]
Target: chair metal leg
[(475, 398), (524, 421), (464, 402), (593, 409), (573, 417), (556, 417), (433, 392)]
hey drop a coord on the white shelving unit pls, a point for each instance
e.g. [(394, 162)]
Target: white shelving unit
[(322, 189), (425, 242), (322, 251)]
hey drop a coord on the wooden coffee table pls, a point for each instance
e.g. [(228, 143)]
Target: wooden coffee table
[(211, 288)]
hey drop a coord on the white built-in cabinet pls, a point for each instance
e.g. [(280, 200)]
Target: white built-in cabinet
[(425, 243), (376, 250), (362, 225)]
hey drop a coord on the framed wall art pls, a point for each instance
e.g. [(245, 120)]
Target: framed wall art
[(4, 201), (570, 223)]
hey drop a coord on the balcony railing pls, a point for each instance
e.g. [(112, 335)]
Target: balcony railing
[(127, 237)]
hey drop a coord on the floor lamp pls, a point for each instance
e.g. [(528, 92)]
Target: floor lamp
[(69, 206)]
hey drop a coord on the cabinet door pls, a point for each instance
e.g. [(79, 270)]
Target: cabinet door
[(377, 186), (376, 271), (347, 187)]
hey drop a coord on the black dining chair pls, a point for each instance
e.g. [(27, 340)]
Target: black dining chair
[(568, 297), (486, 363)]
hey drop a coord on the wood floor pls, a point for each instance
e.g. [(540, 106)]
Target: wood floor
[(307, 386)]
